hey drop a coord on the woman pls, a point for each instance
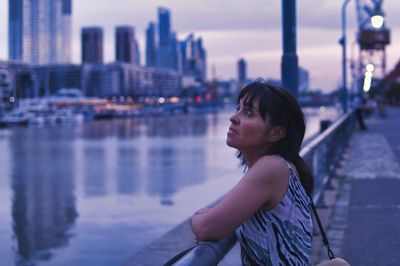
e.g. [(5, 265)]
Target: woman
[(269, 206)]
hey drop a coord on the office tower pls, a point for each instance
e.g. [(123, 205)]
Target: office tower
[(183, 57), (176, 62), (66, 43), (165, 51), (304, 80), (151, 45), (242, 71), (92, 45), (15, 44), (193, 58), (164, 26), (127, 48), (39, 31), (202, 60)]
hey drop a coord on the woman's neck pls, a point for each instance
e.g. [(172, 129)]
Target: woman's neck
[(252, 158)]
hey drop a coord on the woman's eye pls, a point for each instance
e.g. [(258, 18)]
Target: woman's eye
[(248, 112)]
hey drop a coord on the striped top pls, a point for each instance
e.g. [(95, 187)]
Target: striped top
[(281, 236)]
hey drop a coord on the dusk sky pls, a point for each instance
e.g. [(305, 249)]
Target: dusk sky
[(232, 29)]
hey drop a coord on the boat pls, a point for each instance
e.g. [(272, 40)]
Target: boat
[(16, 118)]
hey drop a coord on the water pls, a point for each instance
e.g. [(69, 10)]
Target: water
[(93, 194)]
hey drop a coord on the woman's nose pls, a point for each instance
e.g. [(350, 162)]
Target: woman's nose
[(234, 118)]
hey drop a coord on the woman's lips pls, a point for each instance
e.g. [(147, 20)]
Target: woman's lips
[(232, 130)]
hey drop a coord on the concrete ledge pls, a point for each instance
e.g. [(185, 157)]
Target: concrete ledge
[(165, 247)]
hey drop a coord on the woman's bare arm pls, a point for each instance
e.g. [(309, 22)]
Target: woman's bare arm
[(266, 181)]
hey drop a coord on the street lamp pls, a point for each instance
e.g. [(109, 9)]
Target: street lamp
[(343, 43), (368, 77), (377, 21)]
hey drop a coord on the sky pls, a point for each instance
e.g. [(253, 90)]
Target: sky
[(232, 29)]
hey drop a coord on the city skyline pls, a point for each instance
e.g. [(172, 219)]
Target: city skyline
[(253, 31)]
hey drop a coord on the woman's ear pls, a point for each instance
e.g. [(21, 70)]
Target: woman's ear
[(277, 133)]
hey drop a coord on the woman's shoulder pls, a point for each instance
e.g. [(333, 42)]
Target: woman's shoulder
[(273, 174), (272, 162), (271, 167)]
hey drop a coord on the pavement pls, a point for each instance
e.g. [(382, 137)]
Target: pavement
[(363, 220), (362, 217)]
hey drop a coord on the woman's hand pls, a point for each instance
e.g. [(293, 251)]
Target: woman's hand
[(195, 220), (202, 210)]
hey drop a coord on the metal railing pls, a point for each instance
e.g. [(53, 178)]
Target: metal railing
[(323, 154)]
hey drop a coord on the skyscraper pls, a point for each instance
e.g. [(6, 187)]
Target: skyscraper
[(164, 58), (15, 26), (202, 60), (151, 45), (242, 71), (92, 45), (127, 48), (193, 58), (175, 53), (304, 80), (66, 51), (40, 31), (164, 26)]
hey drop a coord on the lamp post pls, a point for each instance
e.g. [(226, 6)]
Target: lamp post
[(344, 69), (290, 64)]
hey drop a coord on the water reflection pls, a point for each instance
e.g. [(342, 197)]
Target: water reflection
[(43, 201), (125, 178), (128, 168), (157, 126), (102, 159), (172, 168), (95, 170), (178, 125)]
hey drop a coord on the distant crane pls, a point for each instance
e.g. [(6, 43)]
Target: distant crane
[(372, 38)]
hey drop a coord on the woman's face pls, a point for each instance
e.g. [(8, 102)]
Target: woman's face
[(248, 131)]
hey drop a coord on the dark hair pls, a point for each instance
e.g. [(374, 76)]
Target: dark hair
[(283, 110)]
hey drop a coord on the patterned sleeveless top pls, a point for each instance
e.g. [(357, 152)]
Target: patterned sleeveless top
[(281, 236)]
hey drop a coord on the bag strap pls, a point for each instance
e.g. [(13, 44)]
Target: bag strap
[(322, 231)]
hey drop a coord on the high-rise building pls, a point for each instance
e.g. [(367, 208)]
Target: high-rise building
[(66, 44), (165, 54), (183, 56), (176, 62), (193, 58), (304, 80), (92, 45), (15, 26), (242, 71), (151, 45), (127, 48), (202, 60), (164, 26), (40, 31)]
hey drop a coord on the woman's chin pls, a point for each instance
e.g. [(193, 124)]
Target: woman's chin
[(230, 143)]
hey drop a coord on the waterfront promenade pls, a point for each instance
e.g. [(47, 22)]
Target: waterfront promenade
[(363, 213), (364, 223)]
